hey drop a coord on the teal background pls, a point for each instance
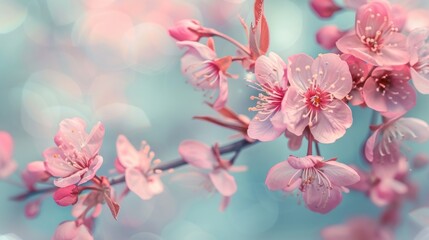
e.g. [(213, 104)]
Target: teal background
[(53, 66)]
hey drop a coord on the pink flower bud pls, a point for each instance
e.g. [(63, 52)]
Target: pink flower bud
[(328, 35), (32, 209), (324, 8), (66, 196), (186, 30)]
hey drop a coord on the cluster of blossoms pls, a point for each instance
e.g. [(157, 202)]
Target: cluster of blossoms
[(303, 98)]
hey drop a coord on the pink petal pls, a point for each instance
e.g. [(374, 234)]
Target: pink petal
[(223, 92), (324, 8), (92, 169), (331, 124), (420, 81), (340, 174), (7, 168), (333, 75), (66, 196), (293, 109), (138, 183), (294, 143), (32, 208), (197, 154), (299, 72), (155, 184), (415, 41), (395, 51), (71, 135), (370, 145), (321, 202), (224, 204), (280, 176), (263, 130), (184, 30), (196, 49), (328, 35), (269, 70), (70, 231), (70, 180), (55, 163), (127, 154), (413, 129), (223, 182), (351, 44), (304, 162), (6, 146), (94, 140)]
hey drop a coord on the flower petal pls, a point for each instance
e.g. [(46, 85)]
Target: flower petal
[(293, 109), (138, 183), (340, 174), (127, 154), (223, 182), (281, 175), (331, 124), (263, 130), (269, 70), (321, 201), (197, 154), (299, 72), (420, 81)]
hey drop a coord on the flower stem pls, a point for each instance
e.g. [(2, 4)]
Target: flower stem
[(310, 144), (231, 40)]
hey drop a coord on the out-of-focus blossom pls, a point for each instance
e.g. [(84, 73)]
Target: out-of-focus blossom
[(418, 43), (75, 160), (420, 160), (34, 172), (358, 228), (7, 164), (206, 158), (66, 196), (359, 70), (272, 83), (328, 36), (32, 208), (187, 30), (314, 98), (324, 8), (321, 182), (355, 4), (71, 230), (139, 176), (205, 70), (388, 91), (376, 40)]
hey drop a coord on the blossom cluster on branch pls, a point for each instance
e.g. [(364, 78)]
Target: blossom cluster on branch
[(380, 65)]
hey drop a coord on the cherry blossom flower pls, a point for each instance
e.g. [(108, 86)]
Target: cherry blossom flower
[(206, 158), (205, 70), (324, 8), (359, 71), (314, 98), (328, 35), (75, 160), (71, 230), (321, 182), (139, 176), (418, 43), (385, 138), (376, 40), (357, 228), (187, 30), (271, 79), (388, 91), (7, 164)]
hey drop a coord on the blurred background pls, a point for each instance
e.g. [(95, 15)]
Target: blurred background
[(113, 61)]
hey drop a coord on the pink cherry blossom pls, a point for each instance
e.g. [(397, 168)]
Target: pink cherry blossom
[(66, 196), (359, 71), (7, 164), (385, 138), (324, 8), (321, 182), (35, 172), (139, 176), (376, 40), (418, 43), (75, 160), (71, 230), (271, 81), (204, 157), (328, 35), (205, 70), (359, 228), (187, 30), (314, 98), (388, 91)]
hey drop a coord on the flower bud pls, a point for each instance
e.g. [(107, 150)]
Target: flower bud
[(186, 30), (327, 36), (66, 196), (324, 8)]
